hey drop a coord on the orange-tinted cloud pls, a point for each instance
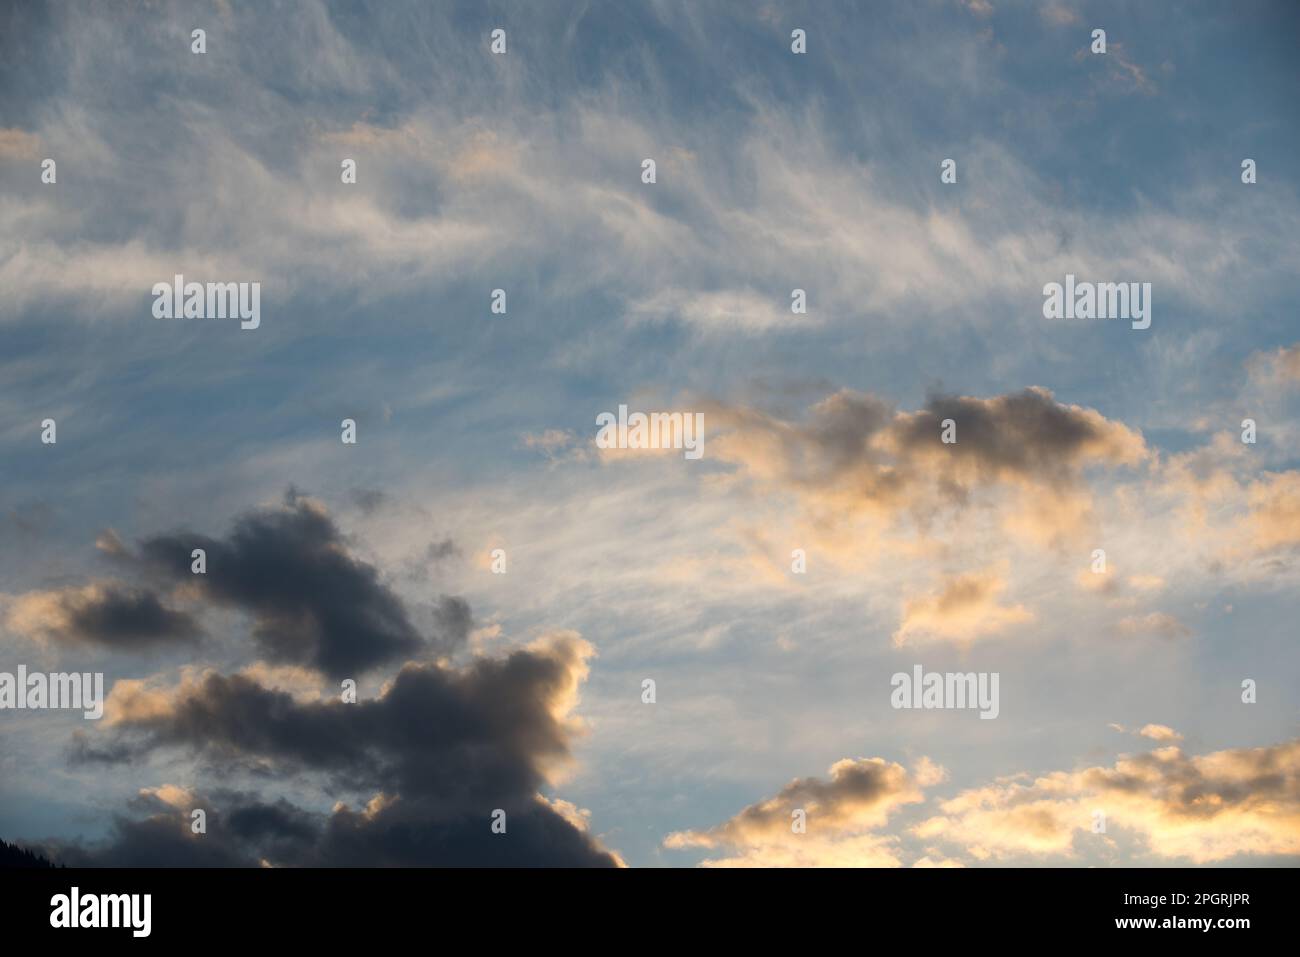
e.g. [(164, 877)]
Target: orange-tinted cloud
[(108, 614), (855, 453), (964, 609), (838, 813), (1200, 808)]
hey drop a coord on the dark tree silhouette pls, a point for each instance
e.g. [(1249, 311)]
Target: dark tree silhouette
[(11, 855)]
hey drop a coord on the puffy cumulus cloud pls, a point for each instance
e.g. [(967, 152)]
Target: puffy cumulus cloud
[(440, 748), (964, 609), (434, 752), (1027, 436), (927, 773), (1029, 826), (1164, 805), (856, 452), (1156, 732), (840, 812), (313, 602), (110, 615), (136, 701), (504, 720), (1205, 808), (1159, 732), (579, 817)]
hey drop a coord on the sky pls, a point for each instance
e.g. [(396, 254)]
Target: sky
[(1104, 532)]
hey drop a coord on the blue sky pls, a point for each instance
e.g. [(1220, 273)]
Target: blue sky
[(775, 171)]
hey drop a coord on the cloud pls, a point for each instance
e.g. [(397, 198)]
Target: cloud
[(1146, 582), (859, 796), (369, 500), (160, 839), (1120, 74), (964, 609), (855, 452), (1274, 520), (452, 185), (1204, 809), (171, 795), (724, 312), (440, 749), (1159, 732), (1156, 732), (1279, 368), (314, 602), (1026, 435), (107, 614), (1163, 804), (1058, 14), (16, 144), (247, 831), (1156, 623), (1115, 588), (429, 717), (436, 750), (477, 171)]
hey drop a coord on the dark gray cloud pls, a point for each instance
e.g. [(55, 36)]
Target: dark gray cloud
[(159, 840), (453, 620), (429, 760), (107, 614), (313, 601), (129, 618), (448, 733), (1026, 433), (857, 448), (439, 751), (405, 834), (245, 831)]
